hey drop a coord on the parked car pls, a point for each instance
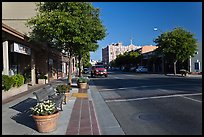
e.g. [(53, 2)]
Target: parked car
[(141, 69), (132, 69), (99, 70), (86, 70)]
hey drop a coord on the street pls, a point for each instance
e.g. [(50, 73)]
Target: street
[(153, 104)]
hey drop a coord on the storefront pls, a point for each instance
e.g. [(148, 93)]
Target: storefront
[(19, 58), (29, 59)]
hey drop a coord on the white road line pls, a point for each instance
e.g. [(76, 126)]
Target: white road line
[(130, 75), (122, 88), (108, 89), (154, 97), (192, 99), (118, 78)]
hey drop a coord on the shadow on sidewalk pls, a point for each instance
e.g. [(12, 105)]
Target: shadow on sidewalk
[(24, 116)]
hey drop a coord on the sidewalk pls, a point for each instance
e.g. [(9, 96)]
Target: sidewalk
[(83, 118), (86, 113), (77, 115), (188, 75)]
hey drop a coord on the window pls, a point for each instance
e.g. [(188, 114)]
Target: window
[(197, 65)]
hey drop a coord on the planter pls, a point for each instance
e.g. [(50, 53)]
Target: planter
[(14, 91), (83, 85), (47, 123), (42, 81), (67, 96)]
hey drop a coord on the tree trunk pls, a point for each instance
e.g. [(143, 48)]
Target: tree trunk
[(79, 66), (175, 67), (70, 70), (80, 71)]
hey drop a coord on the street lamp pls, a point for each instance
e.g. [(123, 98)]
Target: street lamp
[(156, 29), (163, 65)]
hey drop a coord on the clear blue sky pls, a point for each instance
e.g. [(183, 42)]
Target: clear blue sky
[(124, 20)]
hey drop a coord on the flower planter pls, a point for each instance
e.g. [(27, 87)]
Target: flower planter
[(47, 123), (67, 96), (83, 85)]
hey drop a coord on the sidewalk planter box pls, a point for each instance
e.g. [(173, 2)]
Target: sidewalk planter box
[(42, 81), (14, 91)]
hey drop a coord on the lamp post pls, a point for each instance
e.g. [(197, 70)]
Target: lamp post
[(163, 64)]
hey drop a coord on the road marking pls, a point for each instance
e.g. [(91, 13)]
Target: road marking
[(118, 78), (130, 75), (155, 97), (192, 99), (123, 88)]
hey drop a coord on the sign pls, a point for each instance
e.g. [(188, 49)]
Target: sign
[(50, 61), (19, 48)]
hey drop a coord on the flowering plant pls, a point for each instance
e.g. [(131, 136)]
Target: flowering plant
[(83, 80), (44, 108), (63, 88)]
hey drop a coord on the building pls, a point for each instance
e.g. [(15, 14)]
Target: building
[(110, 52), (15, 15), (146, 49), (158, 65), (147, 52), (21, 56), (195, 63)]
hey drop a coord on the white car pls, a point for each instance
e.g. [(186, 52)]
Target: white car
[(141, 69)]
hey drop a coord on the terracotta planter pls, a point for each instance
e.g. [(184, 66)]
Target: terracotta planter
[(83, 85), (46, 124), (67, 96)]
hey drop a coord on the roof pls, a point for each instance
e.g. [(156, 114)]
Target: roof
[(145, 49), (13, 32)]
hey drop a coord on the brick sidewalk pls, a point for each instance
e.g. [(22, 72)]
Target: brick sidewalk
[(83, 119)]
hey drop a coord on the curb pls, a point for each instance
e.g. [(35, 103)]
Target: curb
[(108, 125)]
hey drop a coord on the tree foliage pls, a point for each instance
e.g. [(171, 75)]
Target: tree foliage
[(74, 27), (127, 59), (176, 45), (86, 60)]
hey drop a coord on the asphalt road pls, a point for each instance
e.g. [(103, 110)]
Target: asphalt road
[(153, 104)]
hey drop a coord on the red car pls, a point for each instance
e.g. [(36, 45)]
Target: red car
[(99, 70)]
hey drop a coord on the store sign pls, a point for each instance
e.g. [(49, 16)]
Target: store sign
[(19, 48), (50, 61)]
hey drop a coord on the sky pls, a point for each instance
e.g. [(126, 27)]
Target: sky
[(137, 20)]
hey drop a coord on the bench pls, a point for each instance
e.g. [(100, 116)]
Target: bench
[(48, 93)]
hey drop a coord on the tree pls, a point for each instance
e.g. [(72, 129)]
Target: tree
[(70, 26), (86, 60), (176, 45), (127, 59)]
